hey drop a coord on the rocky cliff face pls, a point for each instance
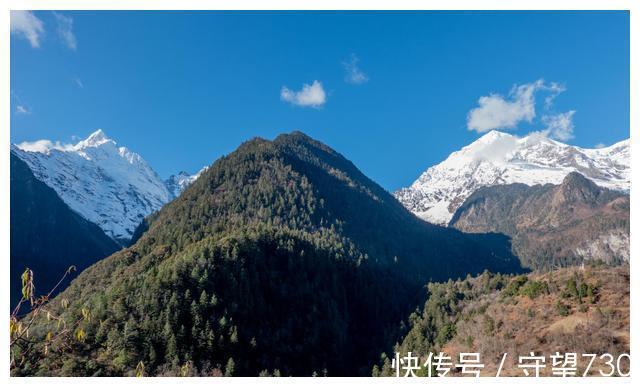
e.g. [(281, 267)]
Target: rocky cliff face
[(552, 225)]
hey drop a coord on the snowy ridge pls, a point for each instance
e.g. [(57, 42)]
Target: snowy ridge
[(106, 184), (500, 158), (180, 181)]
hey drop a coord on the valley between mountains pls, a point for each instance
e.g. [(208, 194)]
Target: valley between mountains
[(282, 258)]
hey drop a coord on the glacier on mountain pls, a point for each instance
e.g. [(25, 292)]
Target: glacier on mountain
[(108, 185), (501, 158)]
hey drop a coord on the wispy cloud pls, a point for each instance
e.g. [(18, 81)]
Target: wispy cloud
[(559, 126), (65, 30), (599, 145), (498, 112), (310, 96), (27, 25), (354, 75), (78, 82), (22, 109), (554, 89)]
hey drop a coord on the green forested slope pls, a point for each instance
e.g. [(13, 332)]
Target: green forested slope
[(282, 258)]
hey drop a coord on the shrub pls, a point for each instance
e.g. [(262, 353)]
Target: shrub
[(446, 333), (571, 288), (515, 285), (533, 289), (489, 325), (592, 293), (562, 309)]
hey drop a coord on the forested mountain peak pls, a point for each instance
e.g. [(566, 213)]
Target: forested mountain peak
[(278, 250)]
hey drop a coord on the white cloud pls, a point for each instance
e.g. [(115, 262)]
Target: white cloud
[(555, 89), (599, 145), (354, 75), (44, 146), (497, 112), (559, 126), (495, 150), (26, 24), (311, 95), (65, 30), (535, 137), (21, 109)]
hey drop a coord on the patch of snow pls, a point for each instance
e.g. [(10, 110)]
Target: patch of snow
[(180, 181)]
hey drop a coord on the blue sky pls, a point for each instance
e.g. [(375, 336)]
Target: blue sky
[(393, 92)]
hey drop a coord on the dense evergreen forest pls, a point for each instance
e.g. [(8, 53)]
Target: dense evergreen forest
[(281, 259)]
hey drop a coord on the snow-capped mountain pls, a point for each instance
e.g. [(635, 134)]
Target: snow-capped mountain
[(106, 184), (180, 181), (500, 158)]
